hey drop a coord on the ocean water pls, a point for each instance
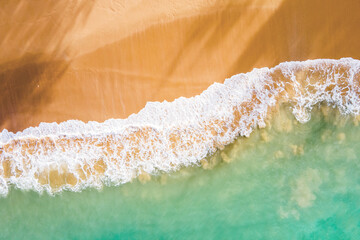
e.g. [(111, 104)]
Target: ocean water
[(285, 181)]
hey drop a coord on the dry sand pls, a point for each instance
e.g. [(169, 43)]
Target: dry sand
[(94, 60)]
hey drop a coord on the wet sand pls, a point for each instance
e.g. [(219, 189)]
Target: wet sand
[(105, 59)]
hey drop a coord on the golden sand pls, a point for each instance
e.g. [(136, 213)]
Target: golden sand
[(94, 60)]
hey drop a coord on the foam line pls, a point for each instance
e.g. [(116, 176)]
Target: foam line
[(166, 136)]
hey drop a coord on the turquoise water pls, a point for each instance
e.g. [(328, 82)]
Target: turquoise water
[(288, 181)]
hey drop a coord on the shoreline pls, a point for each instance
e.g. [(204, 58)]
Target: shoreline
[(169, 135)]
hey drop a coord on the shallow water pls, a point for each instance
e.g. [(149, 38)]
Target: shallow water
[(288, 181)]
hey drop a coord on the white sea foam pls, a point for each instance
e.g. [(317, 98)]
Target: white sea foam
[(166, 136)]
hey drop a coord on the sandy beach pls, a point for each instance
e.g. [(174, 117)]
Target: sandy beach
[(199, 119), (95, 60)]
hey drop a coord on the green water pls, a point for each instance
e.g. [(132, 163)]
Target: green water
[(270, 190)]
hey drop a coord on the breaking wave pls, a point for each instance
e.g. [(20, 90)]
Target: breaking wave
[(166, 136)]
